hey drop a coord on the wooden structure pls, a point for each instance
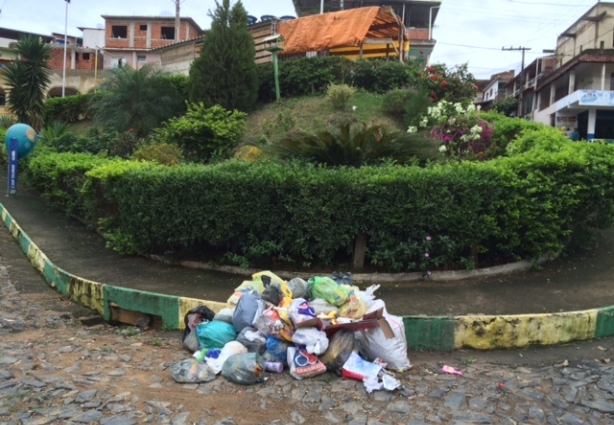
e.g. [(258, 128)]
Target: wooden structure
[(348, 32)]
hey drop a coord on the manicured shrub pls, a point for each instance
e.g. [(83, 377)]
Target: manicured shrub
[(204, 133), (339, 95), (67, 109), (160, 153), (274, 213), (394, 103)]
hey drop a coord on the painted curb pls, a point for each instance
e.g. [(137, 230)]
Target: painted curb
[(422, 332)]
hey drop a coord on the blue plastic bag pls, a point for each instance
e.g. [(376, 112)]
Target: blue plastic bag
[(278, 349), (215, 334)]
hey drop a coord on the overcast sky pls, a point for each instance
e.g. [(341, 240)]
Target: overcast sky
[(482, 27)]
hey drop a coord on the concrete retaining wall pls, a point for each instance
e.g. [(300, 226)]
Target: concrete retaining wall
[(423, 332)]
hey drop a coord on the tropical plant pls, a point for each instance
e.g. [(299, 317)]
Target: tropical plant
[(52, 132), (6, 120), (27, 79), (348, 146), (204, 133), (139, 99), (225, 73)]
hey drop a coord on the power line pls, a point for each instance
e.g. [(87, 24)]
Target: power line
[(465, 45)]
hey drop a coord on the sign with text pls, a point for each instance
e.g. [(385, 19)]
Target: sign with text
[(13, 161)]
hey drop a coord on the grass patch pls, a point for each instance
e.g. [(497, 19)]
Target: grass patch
[(315, 113), (79, 128)]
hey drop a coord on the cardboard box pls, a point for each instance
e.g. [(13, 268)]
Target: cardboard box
[(372, 320)]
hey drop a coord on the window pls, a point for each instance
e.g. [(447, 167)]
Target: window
[(601, 44), (76, 57), (2, 99), (119, 31), (143, 27), (141, 58), (86, 56), (612, 81), (168, 33), (117, 62)]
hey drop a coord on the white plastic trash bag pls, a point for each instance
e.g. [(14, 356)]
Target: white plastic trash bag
[(230, 349), (314, 340), (374, 344)]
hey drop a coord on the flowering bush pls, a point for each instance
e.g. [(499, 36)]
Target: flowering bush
[(463, 133)]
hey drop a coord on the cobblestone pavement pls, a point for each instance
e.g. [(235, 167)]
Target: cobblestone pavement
[(55, 370)]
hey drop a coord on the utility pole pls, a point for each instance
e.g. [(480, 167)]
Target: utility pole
[(177, 18), (523, 49)]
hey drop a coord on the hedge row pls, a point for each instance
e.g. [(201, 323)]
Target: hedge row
[(68, 109), (511, 208), (306, 76)]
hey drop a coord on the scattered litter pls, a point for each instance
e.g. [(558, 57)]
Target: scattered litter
[(450, 370), (601, 348)]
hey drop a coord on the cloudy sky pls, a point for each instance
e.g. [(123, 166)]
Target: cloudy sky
[(475, 31), (472, 31)]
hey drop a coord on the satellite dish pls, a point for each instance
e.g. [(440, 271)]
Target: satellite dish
[(166, 13), (99, 26)]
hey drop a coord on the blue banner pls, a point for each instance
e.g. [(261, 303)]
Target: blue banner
[(13, 161)]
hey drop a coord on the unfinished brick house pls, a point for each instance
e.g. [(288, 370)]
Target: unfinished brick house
[(131, 40)]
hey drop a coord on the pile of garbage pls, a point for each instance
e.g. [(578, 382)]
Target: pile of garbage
[(310, 327)]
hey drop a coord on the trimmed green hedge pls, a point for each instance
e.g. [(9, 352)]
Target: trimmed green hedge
[(68, 109), (522, 206), (306, 76)]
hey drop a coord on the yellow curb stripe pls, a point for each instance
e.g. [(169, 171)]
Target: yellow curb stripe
[(187, 304), (491, 332)]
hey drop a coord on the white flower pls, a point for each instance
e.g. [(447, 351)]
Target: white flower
[(412, 129), (476, 129), (424, 122), (443, 148), (451, 120), (459, 108), (471, 108)]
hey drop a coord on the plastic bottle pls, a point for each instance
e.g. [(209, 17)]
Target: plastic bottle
[(274, 367)]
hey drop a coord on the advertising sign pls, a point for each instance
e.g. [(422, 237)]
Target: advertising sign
[(13, 161)]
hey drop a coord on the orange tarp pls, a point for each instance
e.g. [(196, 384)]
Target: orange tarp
[(347, 28)]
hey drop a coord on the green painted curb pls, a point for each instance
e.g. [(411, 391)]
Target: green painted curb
[(434, 333)]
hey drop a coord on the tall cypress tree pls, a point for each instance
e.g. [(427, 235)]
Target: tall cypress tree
[(225, 73)]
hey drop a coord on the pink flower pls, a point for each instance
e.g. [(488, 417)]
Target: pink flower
[(426, 255), (428, 238)]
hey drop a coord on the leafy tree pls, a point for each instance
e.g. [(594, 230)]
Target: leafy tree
[(138, 99), (454, 85), (204, 133), (27, 79), (507, 106), (225, 72)]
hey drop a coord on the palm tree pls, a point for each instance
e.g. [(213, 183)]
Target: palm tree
[(138, 99), (27, 79)]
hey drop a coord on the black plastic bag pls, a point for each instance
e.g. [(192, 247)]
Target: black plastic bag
[(339, 349), (253, 340), (195, 316)]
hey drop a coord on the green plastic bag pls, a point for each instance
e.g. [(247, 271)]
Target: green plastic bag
[(215, 334), (329, 290)]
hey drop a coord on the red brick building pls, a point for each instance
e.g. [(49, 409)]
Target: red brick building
[(130, 39)]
